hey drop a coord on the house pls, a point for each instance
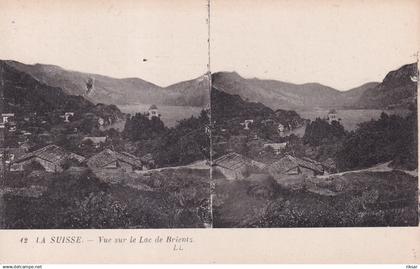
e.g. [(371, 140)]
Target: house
[(330, 165), (7, 117), (67, 116), (109, 159), (267, 122), (246, 124), (26, 145), (51, 158), (8, 122), (101, 121), (332, 116), (11, 154), (277, 147), (96, 140), (280, 127), (148, 162), (289, 165), (235, 166), (46, 137), (11, 126), (153, 112)]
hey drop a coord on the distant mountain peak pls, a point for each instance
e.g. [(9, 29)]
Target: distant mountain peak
[(120, 91)]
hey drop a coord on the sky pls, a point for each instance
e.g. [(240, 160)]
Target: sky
[(109, 37), (339, 43)]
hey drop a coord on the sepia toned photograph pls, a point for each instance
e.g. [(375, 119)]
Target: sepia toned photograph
[(105, 116), (315, 114), (208, 114)]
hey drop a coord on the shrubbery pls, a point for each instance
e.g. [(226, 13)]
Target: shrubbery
[(390, 138)]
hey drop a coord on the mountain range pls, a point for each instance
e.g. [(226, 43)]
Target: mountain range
[(123, 91), (397, 89), (24, 95)]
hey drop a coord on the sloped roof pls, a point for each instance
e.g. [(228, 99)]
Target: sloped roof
[(51, 153), (276, 146), (95, 139), (289, 162), (108, 156), (147, 158), (153, 107), (283, 165), (310, 164), (235, 161)]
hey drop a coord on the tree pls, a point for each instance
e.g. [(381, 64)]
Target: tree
[(390, 138), (321, 131), (140, 127)]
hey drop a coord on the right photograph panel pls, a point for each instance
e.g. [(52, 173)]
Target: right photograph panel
[(314, 113)]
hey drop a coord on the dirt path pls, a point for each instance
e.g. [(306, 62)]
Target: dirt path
[(196, 165), (383, 167)]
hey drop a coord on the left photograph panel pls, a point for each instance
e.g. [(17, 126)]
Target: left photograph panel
[(104, 115)]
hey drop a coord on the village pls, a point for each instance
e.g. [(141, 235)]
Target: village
[(19, 155), (233, 165), (258, 156), (266, 175), (35, 154), (250, 139)]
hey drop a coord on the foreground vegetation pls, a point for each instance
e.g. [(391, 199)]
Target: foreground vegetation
[(353, 200), (78, 199)]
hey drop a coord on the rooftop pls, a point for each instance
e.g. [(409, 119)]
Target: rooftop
[(235, 161), (289, 162), (51, 153), (108, 156), (95, 139)]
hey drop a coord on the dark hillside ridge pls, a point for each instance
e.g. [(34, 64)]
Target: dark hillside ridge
[(25, 94), (396, 90), (123, 91)]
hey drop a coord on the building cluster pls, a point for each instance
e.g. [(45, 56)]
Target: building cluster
[(53, 158), (8, 122), (234, 166)]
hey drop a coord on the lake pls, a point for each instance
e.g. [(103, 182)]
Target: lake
[(349, 118), (170, 115)]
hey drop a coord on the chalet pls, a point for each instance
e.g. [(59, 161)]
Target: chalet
[(332, 116), (289, 165), (246, 124), (51, 158), (7, 117), (109, 159), (234, 166), (67, 116), (277, 147), (96, 140), (153, 112), (148, 162)]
